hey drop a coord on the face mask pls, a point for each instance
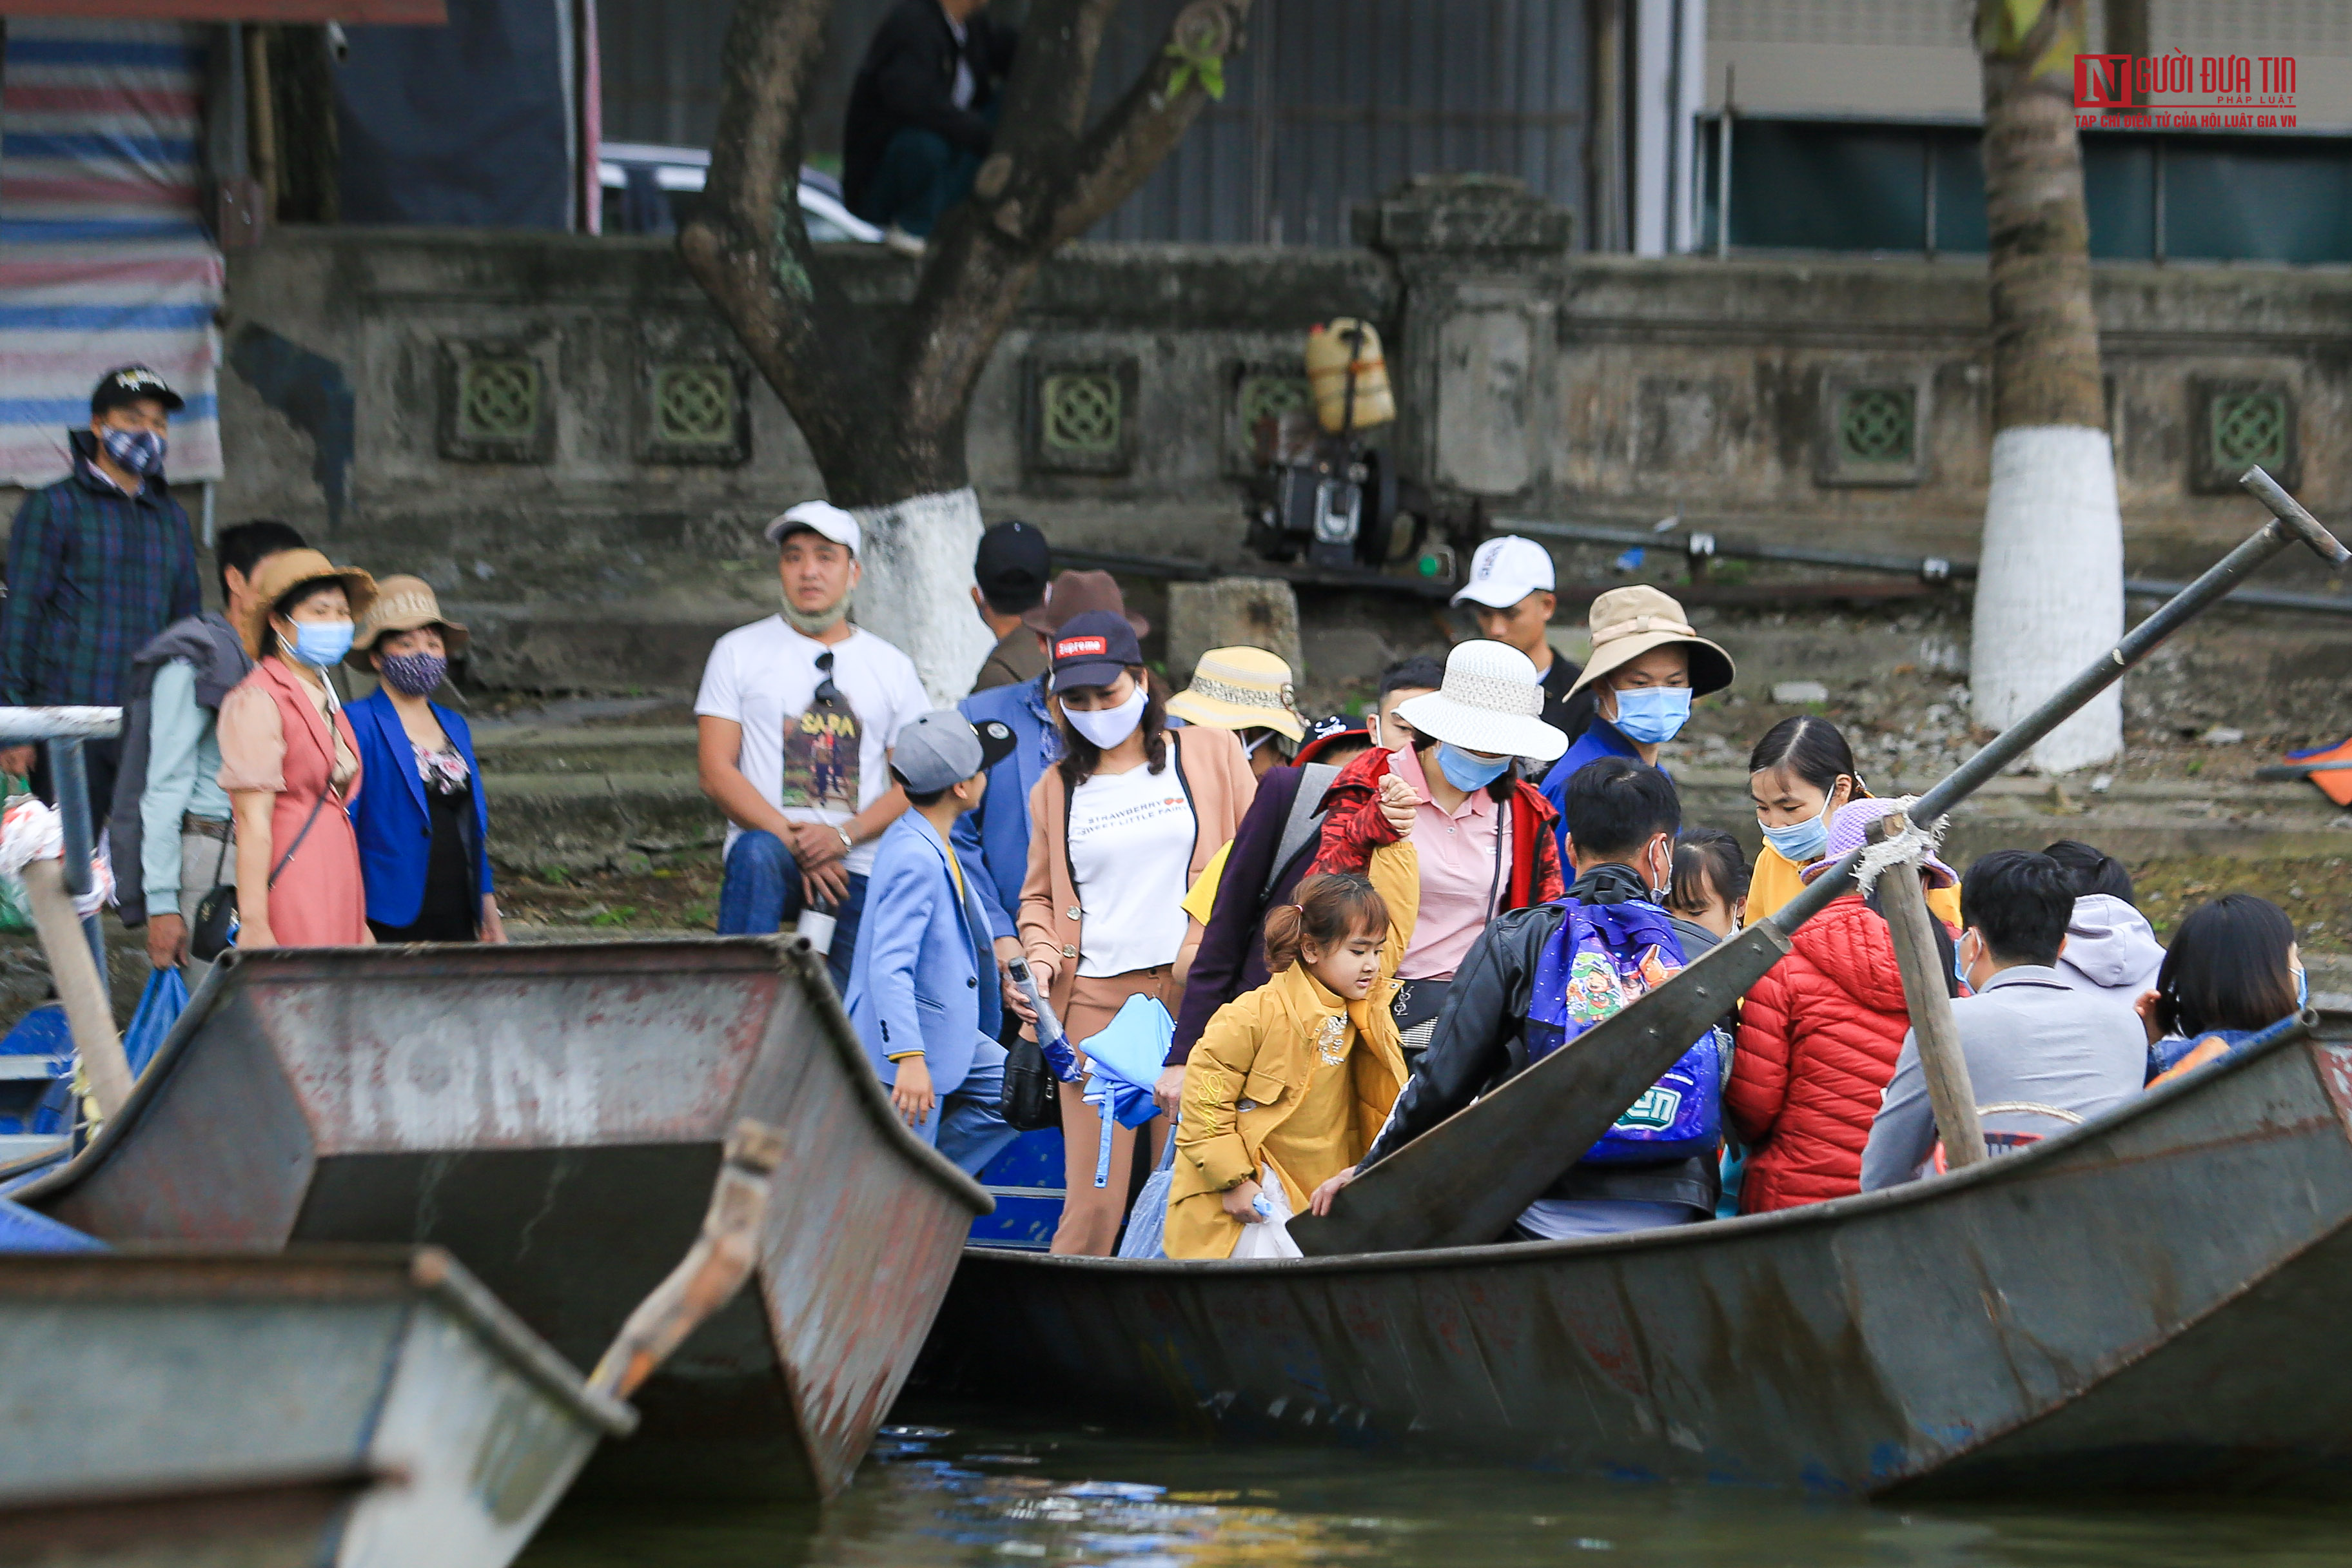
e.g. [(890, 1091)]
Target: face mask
[(140, 451), (1652, 714), (1959, 961), (414, 673), (2301, 989), (1801, 843), (1467, 772), (1665, 882), (1106, 727), (809, 623), (321, 643)]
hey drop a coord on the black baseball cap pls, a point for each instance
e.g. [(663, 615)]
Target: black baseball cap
[(1092, 649), (132, 384), (1012, 565)]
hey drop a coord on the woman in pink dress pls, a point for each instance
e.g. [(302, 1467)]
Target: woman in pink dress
[(290, 762)]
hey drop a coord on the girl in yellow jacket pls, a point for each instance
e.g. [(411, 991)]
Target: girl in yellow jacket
[(1292, 1081)]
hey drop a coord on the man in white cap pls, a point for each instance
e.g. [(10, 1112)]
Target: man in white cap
[(795, 722), (1510, 591)]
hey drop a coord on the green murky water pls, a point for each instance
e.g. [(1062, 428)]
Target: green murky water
[(976, 1489)]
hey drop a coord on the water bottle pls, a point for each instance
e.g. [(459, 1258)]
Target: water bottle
[(816, 924)]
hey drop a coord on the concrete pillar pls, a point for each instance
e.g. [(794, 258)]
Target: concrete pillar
[(1476, 366), (1232, 612)]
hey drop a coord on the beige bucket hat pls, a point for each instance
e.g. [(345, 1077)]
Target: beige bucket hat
[(1629, 622), (1240, 689), (280, 574), (402, 604)]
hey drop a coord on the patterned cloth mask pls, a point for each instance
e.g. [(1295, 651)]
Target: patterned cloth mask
[(140, 451), (417, 674)]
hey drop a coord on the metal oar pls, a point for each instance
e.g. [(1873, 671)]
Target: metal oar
[(1464, 1181)]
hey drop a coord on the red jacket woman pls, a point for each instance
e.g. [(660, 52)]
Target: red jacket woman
[(1818, 1039)]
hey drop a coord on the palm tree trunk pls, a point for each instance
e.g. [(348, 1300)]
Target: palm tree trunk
[(2050, 591)]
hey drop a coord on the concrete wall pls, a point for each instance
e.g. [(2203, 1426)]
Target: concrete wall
[(589, 556)]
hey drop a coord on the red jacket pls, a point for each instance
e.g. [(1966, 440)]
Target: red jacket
[(1355, 827), (1818, 1039)]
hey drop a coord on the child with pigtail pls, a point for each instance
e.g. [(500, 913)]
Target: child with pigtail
[(1289, 1083)]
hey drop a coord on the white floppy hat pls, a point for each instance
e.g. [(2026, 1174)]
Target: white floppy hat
[(820, 518), (1489, 703), (1506, 570)]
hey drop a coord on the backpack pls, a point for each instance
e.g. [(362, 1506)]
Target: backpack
[(1601, 958)]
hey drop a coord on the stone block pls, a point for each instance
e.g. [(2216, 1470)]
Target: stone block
[(1231, 612)]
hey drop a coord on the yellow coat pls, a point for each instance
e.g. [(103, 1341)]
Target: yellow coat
[(1776, 880), (1252, 1065)]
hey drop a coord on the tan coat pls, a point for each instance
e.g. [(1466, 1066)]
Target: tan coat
[(1250, 1070), (1218, 782)]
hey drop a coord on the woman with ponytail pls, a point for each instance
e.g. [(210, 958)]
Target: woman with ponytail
[(1118, 829), (1800, 775), (1289, 1083)]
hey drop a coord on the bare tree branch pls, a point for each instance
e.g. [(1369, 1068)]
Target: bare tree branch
[(1144, 127)]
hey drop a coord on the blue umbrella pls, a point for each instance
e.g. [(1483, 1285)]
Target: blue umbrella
[(1126, 1057)]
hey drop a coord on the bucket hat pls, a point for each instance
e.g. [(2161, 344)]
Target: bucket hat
[(281, 573), (1490, 703), (1850, 829), (1072, 594), (402, 604), (1629, 622), (1240, 689)]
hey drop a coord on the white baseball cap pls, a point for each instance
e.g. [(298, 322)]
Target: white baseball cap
[(1506, 570), (820, 518)]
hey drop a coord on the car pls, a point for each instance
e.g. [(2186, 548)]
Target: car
[(652, 189)]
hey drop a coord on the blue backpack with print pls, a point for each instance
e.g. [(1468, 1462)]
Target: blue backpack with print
[(1601, 958)]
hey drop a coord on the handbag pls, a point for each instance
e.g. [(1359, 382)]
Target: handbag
[(1029, 1101), (216, 913)]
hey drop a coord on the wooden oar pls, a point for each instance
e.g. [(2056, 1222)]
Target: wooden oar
[(721, 1259), (1937, 1034), (1464, 1181)]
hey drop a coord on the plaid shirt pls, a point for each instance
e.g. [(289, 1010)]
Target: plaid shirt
[(93, 574)]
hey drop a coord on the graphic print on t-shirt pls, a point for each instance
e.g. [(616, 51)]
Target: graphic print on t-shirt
[(821, 758)]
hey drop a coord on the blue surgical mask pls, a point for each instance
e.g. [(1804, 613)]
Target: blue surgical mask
[(1801, 842), (1649, 715), (2301, 989), (321, 643), (1466, 771), (140, 451)]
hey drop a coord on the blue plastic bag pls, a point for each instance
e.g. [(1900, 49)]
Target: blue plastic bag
[(1127, 1056), (160, 1006)]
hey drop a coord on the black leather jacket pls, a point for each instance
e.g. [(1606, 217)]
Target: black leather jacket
[(1481, 1040)]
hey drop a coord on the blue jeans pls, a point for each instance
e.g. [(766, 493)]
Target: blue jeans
[(921, 175), (967, 1126), (761, 890)]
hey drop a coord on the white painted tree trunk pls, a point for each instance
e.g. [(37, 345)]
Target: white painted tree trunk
[(2050, 588), (916, 588)]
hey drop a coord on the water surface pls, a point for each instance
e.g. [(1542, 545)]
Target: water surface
[(973, 1488)]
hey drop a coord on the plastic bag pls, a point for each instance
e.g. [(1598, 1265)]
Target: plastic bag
[(1147, 1222), (16, 914), (1269, 1237), (160, 1006)]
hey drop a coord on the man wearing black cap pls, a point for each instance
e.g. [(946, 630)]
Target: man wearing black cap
[(98, 563), (1009, 576)]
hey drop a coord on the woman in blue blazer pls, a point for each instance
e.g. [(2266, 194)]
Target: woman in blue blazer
[(424, 830)]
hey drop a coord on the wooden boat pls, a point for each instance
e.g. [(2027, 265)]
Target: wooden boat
[(369, 1409), (553, 1115), (2151, 1301)]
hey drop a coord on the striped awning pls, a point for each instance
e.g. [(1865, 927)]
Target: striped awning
[(103, 259)]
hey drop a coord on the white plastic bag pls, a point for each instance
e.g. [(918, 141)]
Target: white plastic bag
[(1147, 1222), (1269, 1237)]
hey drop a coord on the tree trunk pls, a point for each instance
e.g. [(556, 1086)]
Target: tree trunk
[(2049, 596), (881, 394)]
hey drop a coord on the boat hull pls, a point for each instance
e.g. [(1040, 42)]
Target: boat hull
[(554, 1116), (364, 1411), (2103, 1313)]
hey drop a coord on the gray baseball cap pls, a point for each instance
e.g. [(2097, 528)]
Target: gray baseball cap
[(942, 748)]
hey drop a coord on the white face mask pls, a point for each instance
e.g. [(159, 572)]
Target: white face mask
[(1106, 727)]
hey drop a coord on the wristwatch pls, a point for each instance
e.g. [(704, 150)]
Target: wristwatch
[(847, 843)]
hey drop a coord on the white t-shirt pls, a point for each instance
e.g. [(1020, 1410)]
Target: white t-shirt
[(812, 762), (1131, 838)]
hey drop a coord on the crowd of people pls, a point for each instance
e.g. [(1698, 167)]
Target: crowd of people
[(1350, 927)]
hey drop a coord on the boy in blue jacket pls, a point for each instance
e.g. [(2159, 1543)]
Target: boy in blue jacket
[(923, 989)]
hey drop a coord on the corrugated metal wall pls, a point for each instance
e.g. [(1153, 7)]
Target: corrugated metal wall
[(1360, 94)]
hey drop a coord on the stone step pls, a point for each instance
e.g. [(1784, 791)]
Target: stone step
[(573, 749)]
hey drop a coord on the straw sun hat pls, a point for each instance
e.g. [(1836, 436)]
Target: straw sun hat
[(1629, 622), (1240, 689), (402, 604), (279, 574), (1490, 703)]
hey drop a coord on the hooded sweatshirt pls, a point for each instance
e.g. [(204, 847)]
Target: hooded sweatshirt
[(2110, 948)]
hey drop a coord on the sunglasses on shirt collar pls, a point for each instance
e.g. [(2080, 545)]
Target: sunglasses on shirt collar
[(827, 692)]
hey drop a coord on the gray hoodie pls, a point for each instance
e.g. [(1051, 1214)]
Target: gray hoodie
[(2110, 948)]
